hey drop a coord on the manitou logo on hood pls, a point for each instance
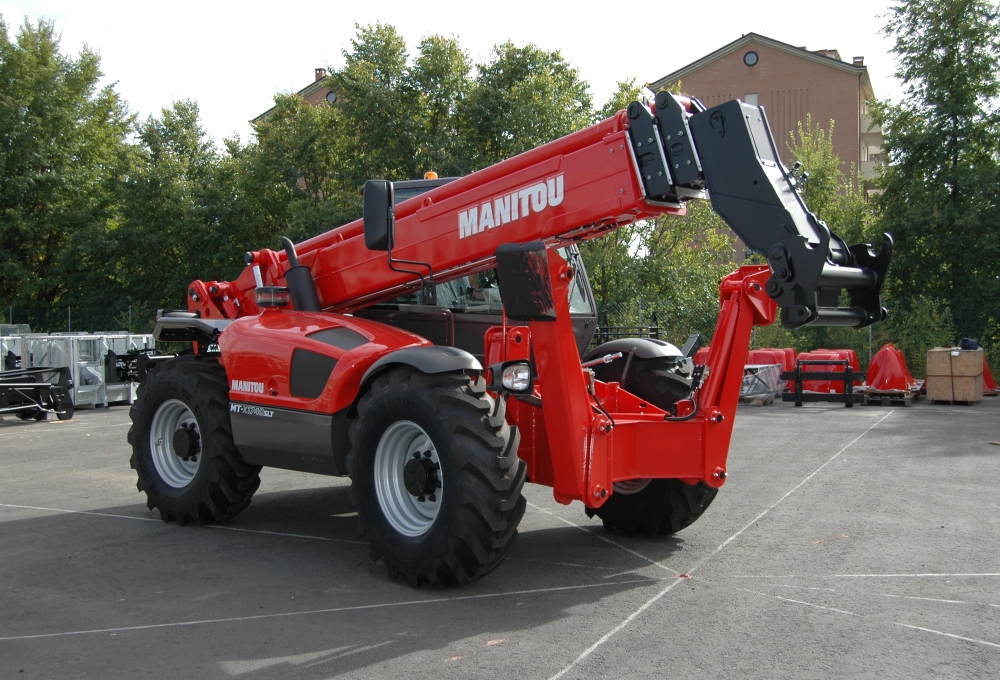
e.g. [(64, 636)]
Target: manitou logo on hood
[(247, 386), (511, 207)]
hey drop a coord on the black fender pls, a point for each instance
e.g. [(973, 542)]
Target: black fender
[(426, 359), (648, 368), (644, 348), (179, 326)]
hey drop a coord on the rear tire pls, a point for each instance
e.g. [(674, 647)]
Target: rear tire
[(185, 402), (664, 506), (472, 470)]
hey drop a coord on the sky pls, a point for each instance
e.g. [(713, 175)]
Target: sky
[(233, 57)]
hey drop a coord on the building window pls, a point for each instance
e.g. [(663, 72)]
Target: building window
[(751, 98), (750, 58)]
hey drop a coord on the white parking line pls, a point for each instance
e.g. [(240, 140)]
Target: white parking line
[(332, 610), (929, 599), (200, 526), (782, 585), (607, 636), (951, 635), (605, 539), (808, 604), (814, 576), (895, 623)]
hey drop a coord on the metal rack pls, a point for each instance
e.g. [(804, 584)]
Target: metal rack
[(102, 366)]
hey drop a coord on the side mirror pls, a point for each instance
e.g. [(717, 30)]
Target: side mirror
[(379, 215)]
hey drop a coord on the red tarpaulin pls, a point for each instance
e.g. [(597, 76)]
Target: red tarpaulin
[(888, 372), (785, 356), (988, 382), (828, 386)]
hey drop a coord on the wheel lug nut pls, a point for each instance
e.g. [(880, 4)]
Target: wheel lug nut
[(416, 454), (432, 498), (427, 454), (421, 499)]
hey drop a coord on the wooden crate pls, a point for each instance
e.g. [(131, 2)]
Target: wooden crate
[(955, 388), (953, 361), (954, 375)]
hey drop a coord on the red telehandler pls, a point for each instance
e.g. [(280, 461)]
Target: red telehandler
[(310, 360)]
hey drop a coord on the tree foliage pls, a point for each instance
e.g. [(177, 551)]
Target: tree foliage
[(522, 98), (60, 142), (940, 195)]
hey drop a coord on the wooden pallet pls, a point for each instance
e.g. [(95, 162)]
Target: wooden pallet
[(957, 402), (891, 397)]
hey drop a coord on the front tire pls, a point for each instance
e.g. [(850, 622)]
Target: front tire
[(182, 444), (436, 477)]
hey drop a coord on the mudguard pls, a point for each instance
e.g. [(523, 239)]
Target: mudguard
[(427, 359)]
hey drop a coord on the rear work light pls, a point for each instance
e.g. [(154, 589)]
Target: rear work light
[(511, 376), (272, 296)]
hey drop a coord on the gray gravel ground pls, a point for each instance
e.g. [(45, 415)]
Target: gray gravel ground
[(846, 543)]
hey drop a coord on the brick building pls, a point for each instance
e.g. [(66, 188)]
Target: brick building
[(314, 93), (790, 82)]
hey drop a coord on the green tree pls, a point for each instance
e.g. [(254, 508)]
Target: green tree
[(626, 92), (522, 98), (377, 100), (440, 76), (836, 199), (60, 142), (940, 197), (184, 215), (298, 175)]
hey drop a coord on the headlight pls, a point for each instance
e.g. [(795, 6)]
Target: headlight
[(511, 376), (517, 378)]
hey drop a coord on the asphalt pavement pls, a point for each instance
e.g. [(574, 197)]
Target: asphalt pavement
[(855, 542)]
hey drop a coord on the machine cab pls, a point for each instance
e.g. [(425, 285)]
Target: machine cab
[(469, 305)]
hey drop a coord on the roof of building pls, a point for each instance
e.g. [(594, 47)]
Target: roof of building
[(309, 89), (819, 57)]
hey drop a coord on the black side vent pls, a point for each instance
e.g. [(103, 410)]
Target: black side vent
[(310, 373), (341, 338)]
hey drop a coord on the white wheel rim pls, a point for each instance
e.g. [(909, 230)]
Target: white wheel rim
[(404, 511), (169, 417), (631, 486)]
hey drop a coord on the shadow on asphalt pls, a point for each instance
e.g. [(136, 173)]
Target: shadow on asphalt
[(73, 572)]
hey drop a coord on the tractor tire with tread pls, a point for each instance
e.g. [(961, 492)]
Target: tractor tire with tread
[(481, 476), (222, 484), (664, 506)]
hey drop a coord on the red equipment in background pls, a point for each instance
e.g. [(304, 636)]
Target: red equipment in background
[(989, 384), (828, 386), (784, 356), (888, 372)]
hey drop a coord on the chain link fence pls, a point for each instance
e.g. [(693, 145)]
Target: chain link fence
[(81, 319)]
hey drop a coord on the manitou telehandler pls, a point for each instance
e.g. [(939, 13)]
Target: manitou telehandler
[(320, 358)]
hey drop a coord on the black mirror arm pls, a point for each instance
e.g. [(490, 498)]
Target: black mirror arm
[(427, 286)]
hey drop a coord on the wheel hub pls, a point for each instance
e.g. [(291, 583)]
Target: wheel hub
[(408, 478), (421, 476), (187, 442), (175, 443)]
